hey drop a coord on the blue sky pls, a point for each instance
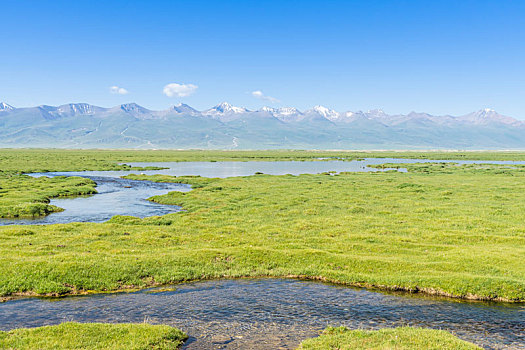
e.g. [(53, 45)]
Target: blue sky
[(442, 57)]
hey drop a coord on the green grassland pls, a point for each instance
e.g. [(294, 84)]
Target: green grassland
[(404, 338), (40, 160), (24, 196), (454, 168), (444, 229), (455, 231), (93, 336)]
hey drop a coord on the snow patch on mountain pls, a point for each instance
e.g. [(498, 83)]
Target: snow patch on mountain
[(183, 108), (283, 113), (74, 109), (328, 113), (376, 113), (225, 108), (133, 108), (4, 107)]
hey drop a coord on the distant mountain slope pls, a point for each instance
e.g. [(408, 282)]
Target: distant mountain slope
[(80, 125)]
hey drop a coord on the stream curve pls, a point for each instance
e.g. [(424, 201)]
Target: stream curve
[(275, 313)]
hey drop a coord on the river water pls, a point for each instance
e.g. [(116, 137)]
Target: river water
[(115, 196), (252, 313), (275, 313)]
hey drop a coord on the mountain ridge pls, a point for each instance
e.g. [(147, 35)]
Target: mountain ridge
[(227, 126), (226, 108)]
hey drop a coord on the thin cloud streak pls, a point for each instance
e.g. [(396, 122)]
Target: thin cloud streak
[(259, 94)]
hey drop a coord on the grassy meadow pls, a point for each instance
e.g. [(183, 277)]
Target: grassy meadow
[(23, 196), (456, 231), (449, 230), (404, 338), (41, 160), (93, 336)]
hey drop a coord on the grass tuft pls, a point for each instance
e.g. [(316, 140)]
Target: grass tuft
[(93, 336), (403, 338)]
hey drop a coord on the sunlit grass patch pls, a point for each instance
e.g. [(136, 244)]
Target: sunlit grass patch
[(23, 196), (403, 338), (93, 336), (459, 232)]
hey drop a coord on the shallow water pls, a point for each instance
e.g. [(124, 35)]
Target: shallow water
[(250, 314), (228, 169), (115, 197), (127, 197), (275, 313)]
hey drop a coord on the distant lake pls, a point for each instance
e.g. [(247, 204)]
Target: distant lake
[(119, 196), (228, 169)]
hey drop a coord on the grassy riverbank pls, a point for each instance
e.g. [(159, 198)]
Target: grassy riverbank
[(93, 336), (22, 196), (455, 233), (405, 338)]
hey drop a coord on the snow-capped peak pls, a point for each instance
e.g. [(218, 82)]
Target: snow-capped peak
[(376, 113), (268, 109), (4, 107), (327, 112), (282, 111), (225, 108), (133, 108), (76, 108), (486, 113), (182, 106), (487, 116), (285, 114)]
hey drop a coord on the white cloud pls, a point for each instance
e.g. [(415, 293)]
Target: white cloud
[(259, 94), (179, 90), (118, 90)]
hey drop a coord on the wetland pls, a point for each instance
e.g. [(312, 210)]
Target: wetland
[(415, 223)]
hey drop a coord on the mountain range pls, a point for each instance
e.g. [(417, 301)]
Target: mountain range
[(81, 125)]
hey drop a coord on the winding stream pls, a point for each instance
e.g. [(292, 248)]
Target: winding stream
[(275, 313), (251, 313), (117, 196)]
